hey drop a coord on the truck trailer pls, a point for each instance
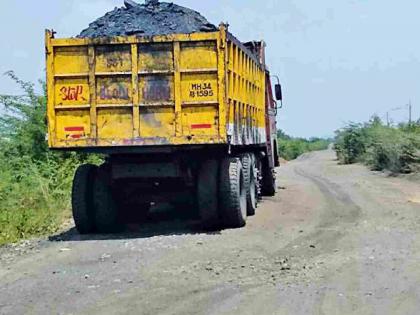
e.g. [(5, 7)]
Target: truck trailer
[(175, 115)]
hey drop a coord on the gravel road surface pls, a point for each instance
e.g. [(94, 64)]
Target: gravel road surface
[(335, 240)]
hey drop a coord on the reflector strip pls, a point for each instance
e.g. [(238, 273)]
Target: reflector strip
[(201, 126), (72, 129)]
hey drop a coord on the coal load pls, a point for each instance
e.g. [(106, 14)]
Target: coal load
[(151, 18)]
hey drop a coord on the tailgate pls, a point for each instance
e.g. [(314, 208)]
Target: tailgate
[(129, 91)]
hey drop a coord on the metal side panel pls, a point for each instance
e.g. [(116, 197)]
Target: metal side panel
[(133, 91)]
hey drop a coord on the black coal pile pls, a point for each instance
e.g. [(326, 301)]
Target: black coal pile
[(151, 18)]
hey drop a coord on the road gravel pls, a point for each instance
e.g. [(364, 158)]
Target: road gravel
[(335, 240)]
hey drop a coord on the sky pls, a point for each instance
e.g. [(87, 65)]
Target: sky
[(338, 61)]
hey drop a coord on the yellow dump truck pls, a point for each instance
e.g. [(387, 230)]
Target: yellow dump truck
[(174, 114)]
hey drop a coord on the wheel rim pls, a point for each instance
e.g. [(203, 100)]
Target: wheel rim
[(243, 196), (252, 192)]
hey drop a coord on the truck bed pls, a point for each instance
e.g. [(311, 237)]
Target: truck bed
[(186, 89)]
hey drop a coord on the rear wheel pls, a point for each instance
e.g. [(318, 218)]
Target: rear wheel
[(258, 177), (232, 193), (106, 211), (248, 166), (269, 187), (207, 190), (81, 199)]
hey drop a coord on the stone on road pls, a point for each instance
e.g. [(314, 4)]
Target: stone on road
[(337, 240)]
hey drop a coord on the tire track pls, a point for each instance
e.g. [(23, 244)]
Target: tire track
[(339, 215), (341, 207)]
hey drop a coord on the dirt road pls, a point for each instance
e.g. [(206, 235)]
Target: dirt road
[(335, 240)]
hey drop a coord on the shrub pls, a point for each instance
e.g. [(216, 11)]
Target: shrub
[(291, 148), (394, 149), (350, 144), (35, 183)]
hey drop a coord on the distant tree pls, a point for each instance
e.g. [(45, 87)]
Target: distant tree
[(290, 148)]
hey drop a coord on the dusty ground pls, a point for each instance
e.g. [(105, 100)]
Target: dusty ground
[(335, 240)]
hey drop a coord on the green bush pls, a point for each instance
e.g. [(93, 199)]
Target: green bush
[(350, 144), (291, 148), (35, 183), (394, 149)]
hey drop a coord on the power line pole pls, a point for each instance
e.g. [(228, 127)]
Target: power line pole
[(387, 119), (410, 108)]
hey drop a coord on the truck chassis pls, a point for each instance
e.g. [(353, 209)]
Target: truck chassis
[(224, 188)]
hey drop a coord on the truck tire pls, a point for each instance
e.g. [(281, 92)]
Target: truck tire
[(207, 191), (248, 168), (269, 187), (81, 199), (258, 176), (106, 211), (232, 193)]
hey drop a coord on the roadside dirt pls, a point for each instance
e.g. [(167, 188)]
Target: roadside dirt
[(335, 240)]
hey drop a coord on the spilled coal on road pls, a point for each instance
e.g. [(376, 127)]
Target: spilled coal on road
[(151, 18)]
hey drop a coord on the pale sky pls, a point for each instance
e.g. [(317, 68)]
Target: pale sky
[(338, 60)]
